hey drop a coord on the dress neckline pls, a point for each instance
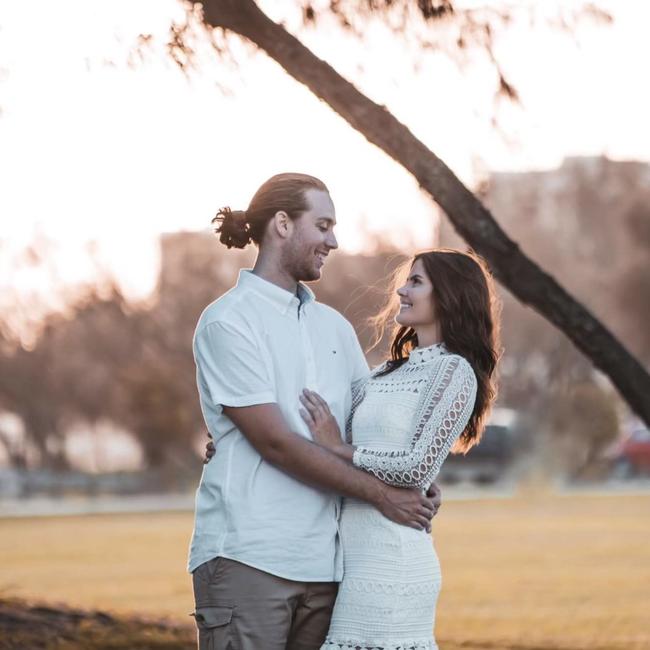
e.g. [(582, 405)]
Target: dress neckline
[(423, 355)]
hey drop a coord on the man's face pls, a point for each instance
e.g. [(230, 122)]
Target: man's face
[(312, 238)]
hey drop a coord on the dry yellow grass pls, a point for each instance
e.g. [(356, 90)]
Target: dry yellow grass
[(552, 572)]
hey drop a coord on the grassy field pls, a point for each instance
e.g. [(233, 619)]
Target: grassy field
[(552, 572)]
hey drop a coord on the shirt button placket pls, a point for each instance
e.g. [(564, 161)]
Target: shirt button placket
[(307, 350)]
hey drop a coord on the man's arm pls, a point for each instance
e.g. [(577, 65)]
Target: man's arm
[(266, 429)]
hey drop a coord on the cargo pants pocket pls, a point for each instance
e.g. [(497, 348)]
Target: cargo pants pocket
[(214, 629)]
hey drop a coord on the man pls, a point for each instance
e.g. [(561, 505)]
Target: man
[(264, 554)]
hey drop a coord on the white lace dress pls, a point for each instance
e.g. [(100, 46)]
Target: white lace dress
[(403, 425)]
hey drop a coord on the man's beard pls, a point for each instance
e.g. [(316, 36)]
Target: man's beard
[(301, 268), (306, 272)]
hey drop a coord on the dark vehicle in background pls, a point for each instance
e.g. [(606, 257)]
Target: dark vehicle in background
[(630, 456), (488, 461)]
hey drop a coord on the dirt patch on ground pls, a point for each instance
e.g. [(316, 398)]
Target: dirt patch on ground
[(31, 626)]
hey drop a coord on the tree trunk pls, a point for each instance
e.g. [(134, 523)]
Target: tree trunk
[(471, 219)]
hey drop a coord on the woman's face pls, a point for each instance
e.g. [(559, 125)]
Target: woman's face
[(416, 299)]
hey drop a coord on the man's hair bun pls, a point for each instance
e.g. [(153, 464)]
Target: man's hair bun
[(232, 228)]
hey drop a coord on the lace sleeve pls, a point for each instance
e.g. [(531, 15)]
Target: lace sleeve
[(442, 414)]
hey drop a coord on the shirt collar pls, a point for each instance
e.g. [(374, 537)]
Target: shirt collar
[(280, 298)]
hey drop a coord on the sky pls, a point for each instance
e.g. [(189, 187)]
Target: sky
[(101, 150)]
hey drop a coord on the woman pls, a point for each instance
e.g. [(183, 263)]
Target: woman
[(430, 397)]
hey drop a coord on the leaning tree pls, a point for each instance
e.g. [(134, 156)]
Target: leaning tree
[(531, 284)]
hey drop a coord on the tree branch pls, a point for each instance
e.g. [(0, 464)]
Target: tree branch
[(519, 274)]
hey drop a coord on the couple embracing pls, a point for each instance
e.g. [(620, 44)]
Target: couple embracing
[(278, 559)]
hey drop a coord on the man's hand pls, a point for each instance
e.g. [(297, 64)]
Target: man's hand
[(435, 494), (210, 451), (406, 506)]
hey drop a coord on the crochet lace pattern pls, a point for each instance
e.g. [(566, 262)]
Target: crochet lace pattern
[(403, 425), (447, 389), (354, 645)]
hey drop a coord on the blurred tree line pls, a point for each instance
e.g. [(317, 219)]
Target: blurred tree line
[(104, 359)]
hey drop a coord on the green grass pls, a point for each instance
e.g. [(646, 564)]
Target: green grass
[(546, 573)]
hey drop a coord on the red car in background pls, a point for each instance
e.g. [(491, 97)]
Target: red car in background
[(631, 455)]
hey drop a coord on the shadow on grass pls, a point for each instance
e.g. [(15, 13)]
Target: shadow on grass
[(28, 626)]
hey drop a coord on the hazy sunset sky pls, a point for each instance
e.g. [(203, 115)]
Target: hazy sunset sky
[(94, 149)]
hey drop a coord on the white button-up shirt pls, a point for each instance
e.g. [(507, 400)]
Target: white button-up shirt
[(259, 344)]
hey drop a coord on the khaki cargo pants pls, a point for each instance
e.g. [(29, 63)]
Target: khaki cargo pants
[(242, 608)]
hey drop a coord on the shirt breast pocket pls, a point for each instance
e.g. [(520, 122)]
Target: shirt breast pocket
[(334, 383)]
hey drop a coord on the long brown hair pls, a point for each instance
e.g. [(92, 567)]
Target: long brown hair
[(468, 311), (282, 192)]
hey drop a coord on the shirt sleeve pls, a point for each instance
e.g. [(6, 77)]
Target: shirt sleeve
[(231, 366), (359, 376), (360, 369), (442, 414)]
